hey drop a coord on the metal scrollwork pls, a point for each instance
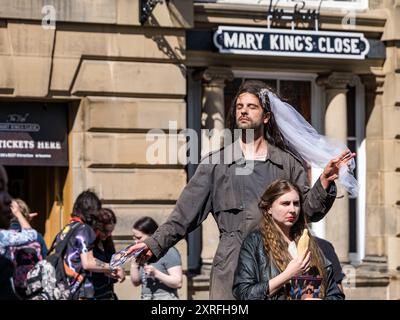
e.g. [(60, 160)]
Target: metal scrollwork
[(146, 8), (298, 15)]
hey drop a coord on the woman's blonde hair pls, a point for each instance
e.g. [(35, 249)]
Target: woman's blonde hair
[(274, 244), (23, 207)]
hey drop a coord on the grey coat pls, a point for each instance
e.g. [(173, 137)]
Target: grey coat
[(211, 189)]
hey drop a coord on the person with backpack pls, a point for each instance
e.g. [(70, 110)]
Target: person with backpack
[(78, 258), (24, 256), (9, 238)]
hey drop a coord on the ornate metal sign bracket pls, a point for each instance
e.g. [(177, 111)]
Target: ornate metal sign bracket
[(299, 14), (146, 8)]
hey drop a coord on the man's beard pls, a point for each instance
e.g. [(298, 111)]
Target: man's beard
[(248, 125)]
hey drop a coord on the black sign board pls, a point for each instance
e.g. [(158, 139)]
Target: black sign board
[(33, 134), (291, 43)]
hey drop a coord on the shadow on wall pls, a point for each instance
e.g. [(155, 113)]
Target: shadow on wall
[(164, 46)]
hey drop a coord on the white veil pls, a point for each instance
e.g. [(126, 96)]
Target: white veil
[(313, 147)]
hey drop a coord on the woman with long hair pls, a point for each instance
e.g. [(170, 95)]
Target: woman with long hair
[(103, 250), (269, 258)]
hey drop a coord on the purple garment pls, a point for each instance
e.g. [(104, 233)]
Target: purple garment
[(82, 241)]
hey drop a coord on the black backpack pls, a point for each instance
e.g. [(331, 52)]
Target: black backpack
[(47, 280)]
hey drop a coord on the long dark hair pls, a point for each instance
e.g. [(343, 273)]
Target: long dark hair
[(146, 225), (86, 207), (271, 130), (274, 244), (5, 200), (3, 179), (105, 216)]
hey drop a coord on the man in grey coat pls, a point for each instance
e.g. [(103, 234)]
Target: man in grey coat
[(228, 184)]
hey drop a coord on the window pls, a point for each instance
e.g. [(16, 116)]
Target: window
[(356, 142), (352, 144)]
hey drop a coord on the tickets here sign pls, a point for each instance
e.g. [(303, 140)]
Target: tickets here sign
[(33, 134)]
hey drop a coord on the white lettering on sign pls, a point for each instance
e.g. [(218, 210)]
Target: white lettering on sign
[(354, 48), (17, 144), (243, 40), (338, 45), (230, 40), (321, 44), (325, 44), (29, 144), (260, 38), (298, 43), (346, 46), (290, 42), (309, 44), (273, 40), (49, 145), (283, 42)]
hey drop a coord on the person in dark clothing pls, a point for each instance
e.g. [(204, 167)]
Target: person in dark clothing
[(229, 182), (79, 261), (329, 252), (7, 292), (103, 251), (269, 257), (10, 238), (6, 266)]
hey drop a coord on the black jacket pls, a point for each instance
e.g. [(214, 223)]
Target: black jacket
[(254, 270)]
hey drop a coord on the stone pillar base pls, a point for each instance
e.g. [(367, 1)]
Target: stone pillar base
[(368, 281)]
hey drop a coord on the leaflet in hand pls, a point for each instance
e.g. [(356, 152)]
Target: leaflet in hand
[(121, 257), (305, 286)]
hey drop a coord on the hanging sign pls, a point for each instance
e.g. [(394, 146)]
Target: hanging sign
[(291, 43)]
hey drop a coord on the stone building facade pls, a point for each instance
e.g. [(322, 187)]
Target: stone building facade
[(117, 79), (354, 101)]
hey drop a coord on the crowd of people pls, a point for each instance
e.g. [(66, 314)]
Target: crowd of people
[(260, 215), (86, 256)]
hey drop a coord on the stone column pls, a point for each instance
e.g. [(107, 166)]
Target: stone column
[(213, 106), (375, 222), (337, 220), (212, 118)]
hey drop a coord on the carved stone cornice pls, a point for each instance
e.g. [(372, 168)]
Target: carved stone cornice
[(372, 82), (337, 80), (215, 76)]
